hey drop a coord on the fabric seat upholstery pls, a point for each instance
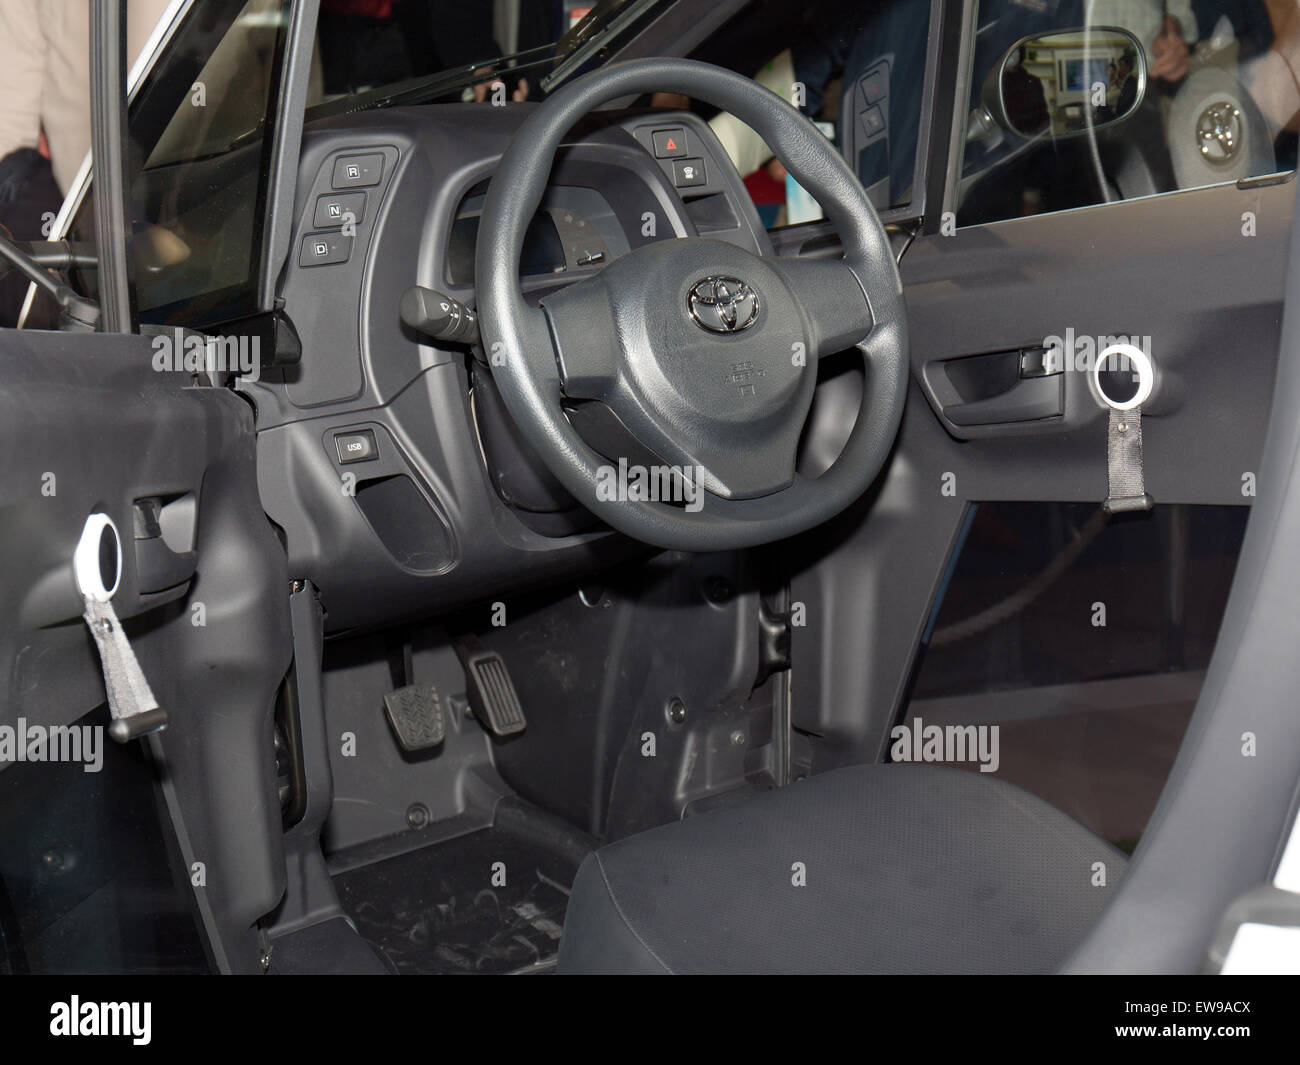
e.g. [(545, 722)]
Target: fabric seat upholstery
[(907, 869)]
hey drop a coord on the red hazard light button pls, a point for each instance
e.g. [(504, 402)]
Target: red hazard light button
[(669, 143)]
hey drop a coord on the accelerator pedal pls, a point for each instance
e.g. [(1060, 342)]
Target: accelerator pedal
[(415, 712), (491, 692)]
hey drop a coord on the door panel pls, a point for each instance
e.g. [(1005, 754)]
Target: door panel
[(1174, 268), (86, 425)]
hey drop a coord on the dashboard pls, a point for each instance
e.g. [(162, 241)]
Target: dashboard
[(575, 228), (384, 458)]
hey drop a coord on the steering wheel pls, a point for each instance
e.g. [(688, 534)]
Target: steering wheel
[(705, 353)]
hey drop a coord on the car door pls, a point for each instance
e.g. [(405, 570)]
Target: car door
[(158, 854), (982, 524)]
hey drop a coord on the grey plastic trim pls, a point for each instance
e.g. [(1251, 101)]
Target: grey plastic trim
[(1222, 818), (934, 60), (957, 132), (108, 161), (290, 110), (1193, 284)]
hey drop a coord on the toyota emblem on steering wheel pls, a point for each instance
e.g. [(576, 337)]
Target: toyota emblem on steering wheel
[(723, 304)]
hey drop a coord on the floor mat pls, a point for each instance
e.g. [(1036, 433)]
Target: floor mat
[(488, 902)]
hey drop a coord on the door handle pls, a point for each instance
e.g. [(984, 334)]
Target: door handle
[(1029, 399), (999, 388), (158, 564)]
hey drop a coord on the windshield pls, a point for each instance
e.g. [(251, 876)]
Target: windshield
[(383, 53)]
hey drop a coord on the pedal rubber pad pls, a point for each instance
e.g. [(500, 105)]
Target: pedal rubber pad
[(492, 694), (415, 712)]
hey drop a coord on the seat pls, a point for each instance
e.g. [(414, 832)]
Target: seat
[(906, 869)]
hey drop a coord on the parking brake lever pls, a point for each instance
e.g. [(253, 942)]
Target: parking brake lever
[(439, 317)]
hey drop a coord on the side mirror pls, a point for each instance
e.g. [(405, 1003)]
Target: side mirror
[(1059, 84)]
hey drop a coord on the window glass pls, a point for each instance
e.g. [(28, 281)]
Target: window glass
[(1205, 92), (198, 166), (90, 875), (857, 69), (453, 46), (1083, 641)]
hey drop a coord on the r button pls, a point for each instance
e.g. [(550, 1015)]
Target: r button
[(358, 171)]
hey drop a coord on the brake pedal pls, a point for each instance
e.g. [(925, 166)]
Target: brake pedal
[(491, 692), (415, 712)]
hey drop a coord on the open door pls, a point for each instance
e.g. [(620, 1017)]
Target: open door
[(163, 852)]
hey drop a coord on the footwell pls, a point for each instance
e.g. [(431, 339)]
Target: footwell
[(488, 902)]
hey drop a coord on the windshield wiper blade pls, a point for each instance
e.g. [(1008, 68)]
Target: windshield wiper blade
[(432, 86), (587, 40)]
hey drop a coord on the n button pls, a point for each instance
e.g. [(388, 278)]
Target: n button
[(334, 210)]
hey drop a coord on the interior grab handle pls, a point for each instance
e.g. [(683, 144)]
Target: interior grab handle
[(97, 566)]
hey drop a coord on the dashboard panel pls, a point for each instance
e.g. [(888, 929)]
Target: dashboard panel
[(373, 457), (575, 228)]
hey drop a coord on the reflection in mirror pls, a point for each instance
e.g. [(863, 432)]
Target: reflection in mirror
[(1062, 83)]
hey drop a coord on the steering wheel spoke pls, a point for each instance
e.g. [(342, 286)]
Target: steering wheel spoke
[(833, 302), (584, 337)]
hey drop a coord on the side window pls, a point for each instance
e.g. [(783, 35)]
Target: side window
[(197, 163), (856, 68), (1074, 103), (1067, 650)]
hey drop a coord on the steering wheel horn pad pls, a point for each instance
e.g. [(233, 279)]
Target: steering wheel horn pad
[(729, 401), (705, 352)]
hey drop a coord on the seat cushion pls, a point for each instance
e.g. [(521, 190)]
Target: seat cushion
[(905, 869)]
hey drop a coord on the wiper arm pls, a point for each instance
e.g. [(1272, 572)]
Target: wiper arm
[(586, 41), (35, 261), (420, 90)]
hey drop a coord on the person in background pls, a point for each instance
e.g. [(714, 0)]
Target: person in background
[(1128, 86), (1272, 77), (361, 45), (1023, 95), (833, 43), (1245, 21), (45, 113), (365, 44), (1167, 32), (45, 76)]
